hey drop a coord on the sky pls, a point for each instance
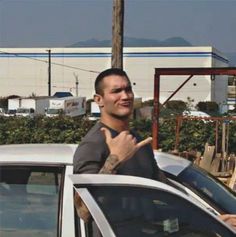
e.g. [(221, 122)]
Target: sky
[(60, 23)]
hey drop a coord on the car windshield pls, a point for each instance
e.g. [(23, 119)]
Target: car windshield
[(209, 188), (29, 201), (21, 110), (11, 111), (53, 111)]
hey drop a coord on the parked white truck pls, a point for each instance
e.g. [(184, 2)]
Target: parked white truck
[(94, 111), (28, 106), (69, 106)]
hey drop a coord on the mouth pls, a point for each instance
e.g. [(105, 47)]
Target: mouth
[(126, 104)]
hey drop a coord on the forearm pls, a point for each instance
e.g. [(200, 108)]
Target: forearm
[(108, 168), (81, 208), (110, 165)]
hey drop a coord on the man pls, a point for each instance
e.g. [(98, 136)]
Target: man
[(110, 146)]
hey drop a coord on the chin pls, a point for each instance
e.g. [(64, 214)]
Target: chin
[(123, 115)]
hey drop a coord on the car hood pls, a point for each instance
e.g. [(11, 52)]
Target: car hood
[(171, 163)]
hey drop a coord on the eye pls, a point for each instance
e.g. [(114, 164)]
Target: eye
[(128, 89), (118, 90)]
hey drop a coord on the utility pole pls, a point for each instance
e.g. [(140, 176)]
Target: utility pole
[(76, 84), (49, 72), (117, 33)]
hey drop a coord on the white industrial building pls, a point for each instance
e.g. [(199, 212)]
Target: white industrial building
[(24, 71)]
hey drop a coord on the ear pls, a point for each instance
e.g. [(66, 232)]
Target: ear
[(98, 99)]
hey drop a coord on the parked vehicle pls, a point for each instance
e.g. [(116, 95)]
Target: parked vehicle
[(36, 199), (69, 106), (196, 113), (2, 111), (28, 106), (25, 112), (94, 111), (10, 113)]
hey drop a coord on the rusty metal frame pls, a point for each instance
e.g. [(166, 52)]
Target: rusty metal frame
[(178, 72)]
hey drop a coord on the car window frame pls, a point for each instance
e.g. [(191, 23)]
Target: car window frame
[(37, 166)]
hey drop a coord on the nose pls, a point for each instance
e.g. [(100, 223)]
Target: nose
[(126, 94)]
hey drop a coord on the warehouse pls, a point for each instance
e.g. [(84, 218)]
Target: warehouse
[(24, 71)]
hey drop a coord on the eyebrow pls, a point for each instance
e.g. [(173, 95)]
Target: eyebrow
[(119, 89)]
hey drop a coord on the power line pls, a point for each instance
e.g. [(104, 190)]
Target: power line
[(45, 61)]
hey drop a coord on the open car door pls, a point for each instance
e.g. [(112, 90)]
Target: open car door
[(138, 207)]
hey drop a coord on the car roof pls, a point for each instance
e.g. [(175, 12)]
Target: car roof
[(38, 153), (171, 163), (64, 153)]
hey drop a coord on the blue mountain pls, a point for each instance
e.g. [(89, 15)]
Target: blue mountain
[(135, 42), (142, 42)]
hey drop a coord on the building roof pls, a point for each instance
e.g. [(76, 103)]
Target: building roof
[(61, 94)]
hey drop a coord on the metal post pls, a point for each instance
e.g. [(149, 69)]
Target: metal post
[(216, 136), (178, 89), (49, 72), (76, 84), (156, 112), (223, 146), (178, 124)]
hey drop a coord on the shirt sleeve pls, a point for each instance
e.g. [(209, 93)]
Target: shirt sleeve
[(90, 157)]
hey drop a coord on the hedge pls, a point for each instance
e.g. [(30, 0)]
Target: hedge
[(193, 134)]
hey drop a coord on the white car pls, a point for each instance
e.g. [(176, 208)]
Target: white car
[(37, 187), (25, 112), (195, 113), (2, 111), (10, 113)]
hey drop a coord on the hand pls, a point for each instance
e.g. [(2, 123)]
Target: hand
[(124, 145), (229, 219)]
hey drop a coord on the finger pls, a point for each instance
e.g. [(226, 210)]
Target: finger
[(107, 134), (226, 217), (125, 132), (144, 142)]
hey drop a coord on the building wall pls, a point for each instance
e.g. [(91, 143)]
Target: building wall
[(25, 71)]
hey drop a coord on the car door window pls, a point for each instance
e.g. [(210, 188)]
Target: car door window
[(143, 212), (29, 201)]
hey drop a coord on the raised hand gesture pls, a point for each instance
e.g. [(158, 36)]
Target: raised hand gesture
[(124, 145)]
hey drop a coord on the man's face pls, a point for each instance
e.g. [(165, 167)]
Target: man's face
[(117, 99)]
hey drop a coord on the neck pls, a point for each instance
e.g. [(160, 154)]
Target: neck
[(118, 124)]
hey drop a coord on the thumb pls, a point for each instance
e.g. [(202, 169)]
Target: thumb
[(107, 134), (144, 142)]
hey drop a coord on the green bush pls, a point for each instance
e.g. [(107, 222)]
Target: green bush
[(176, 105), (193, 133), (16, 130), (208, 106)]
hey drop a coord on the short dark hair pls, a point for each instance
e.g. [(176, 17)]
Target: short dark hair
[(111, 71)]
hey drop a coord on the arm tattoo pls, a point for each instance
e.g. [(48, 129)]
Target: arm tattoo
[(111, 163), (109, 168), (81, 208)]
